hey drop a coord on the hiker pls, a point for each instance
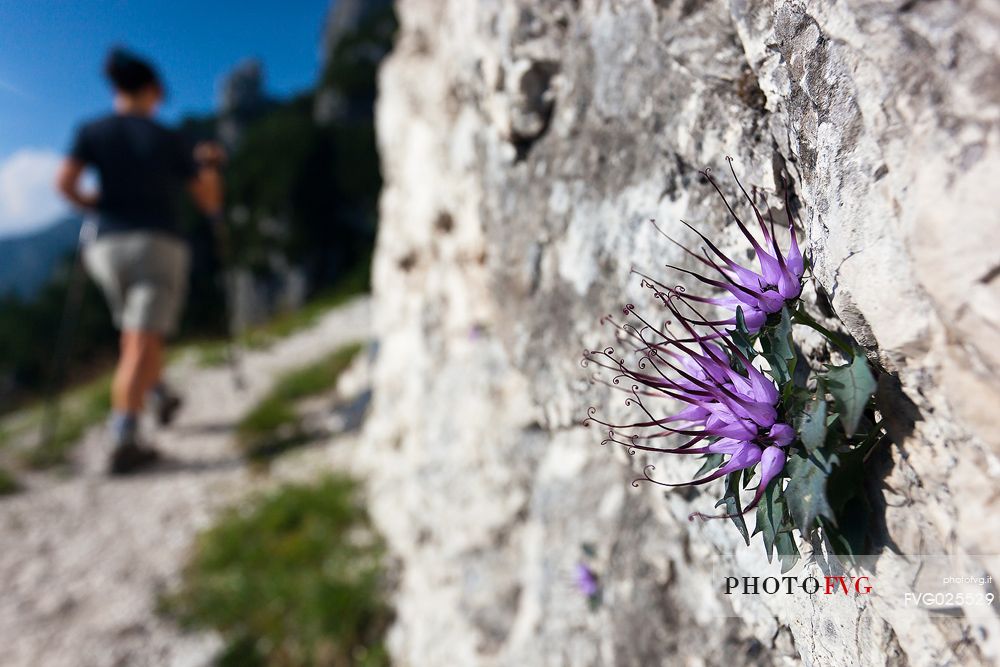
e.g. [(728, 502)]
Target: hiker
[(137, 255)]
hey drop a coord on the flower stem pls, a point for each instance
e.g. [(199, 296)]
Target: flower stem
[(880, 434), (802, 317)]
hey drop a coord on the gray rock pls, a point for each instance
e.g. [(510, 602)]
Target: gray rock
[(546, 134)]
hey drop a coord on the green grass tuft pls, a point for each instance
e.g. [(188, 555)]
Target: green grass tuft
[(316, 378), (272, 426), (79, 409), (296, 579), (210, 355)]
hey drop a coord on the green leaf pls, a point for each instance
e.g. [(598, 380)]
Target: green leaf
[(802, 372), (779, 349), (788, 551), (850, 535), (711, 462), (850, 538), (806, 492), (851, 386), (812, 425), (782, 335), (846, 492), (846, 480), (770, 515), (741, 336), (777, 369), (794, 398), (731, 501)]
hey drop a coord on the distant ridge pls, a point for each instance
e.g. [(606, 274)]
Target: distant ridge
[(27, 260)]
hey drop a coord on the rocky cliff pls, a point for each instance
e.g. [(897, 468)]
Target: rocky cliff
[(524, 145)]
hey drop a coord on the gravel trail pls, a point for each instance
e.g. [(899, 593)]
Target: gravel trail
[(84, 557)]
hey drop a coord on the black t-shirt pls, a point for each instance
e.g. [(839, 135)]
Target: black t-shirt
[(143, 168)]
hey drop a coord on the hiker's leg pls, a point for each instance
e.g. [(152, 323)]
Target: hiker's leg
[(127, 391), (139, 352), (128, 387), (139, 368), (167, 262), (150, 354), (162, 400)]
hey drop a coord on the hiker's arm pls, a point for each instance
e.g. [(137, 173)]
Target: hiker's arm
[(68, 183), (206, 187), (206, 190)]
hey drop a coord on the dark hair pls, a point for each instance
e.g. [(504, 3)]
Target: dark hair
[(130, 73)]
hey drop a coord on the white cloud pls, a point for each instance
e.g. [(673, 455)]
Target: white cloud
[(28, 199)]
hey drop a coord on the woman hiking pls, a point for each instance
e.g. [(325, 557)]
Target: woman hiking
[(138, 256)]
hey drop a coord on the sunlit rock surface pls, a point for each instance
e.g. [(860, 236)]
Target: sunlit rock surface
[(524, 146)]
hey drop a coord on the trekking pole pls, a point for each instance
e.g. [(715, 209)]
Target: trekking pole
[(224, 251), (64, 336), (210, 153)]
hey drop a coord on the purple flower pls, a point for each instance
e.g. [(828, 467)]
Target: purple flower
[(585, 580), (729, 406), (758, 293)]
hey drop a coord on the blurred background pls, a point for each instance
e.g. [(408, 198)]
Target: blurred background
[(289, 94), (288, 89)]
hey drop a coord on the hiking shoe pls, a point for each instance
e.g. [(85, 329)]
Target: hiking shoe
[(132, 457), (165, 407)]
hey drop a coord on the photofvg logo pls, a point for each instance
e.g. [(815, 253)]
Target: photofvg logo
[(935, 585), (793, 585)]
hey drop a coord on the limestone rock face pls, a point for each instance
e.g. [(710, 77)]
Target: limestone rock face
[(524, 147)]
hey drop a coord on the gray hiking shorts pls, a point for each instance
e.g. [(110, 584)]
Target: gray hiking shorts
[(143, 276)]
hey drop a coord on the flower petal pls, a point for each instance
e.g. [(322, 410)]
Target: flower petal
[(772, 461), (781, 435)]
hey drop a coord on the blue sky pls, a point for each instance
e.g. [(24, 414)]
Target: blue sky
[(50, 60)]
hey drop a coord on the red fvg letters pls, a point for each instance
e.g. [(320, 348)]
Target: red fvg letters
[(831, 585), (845, 584)]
